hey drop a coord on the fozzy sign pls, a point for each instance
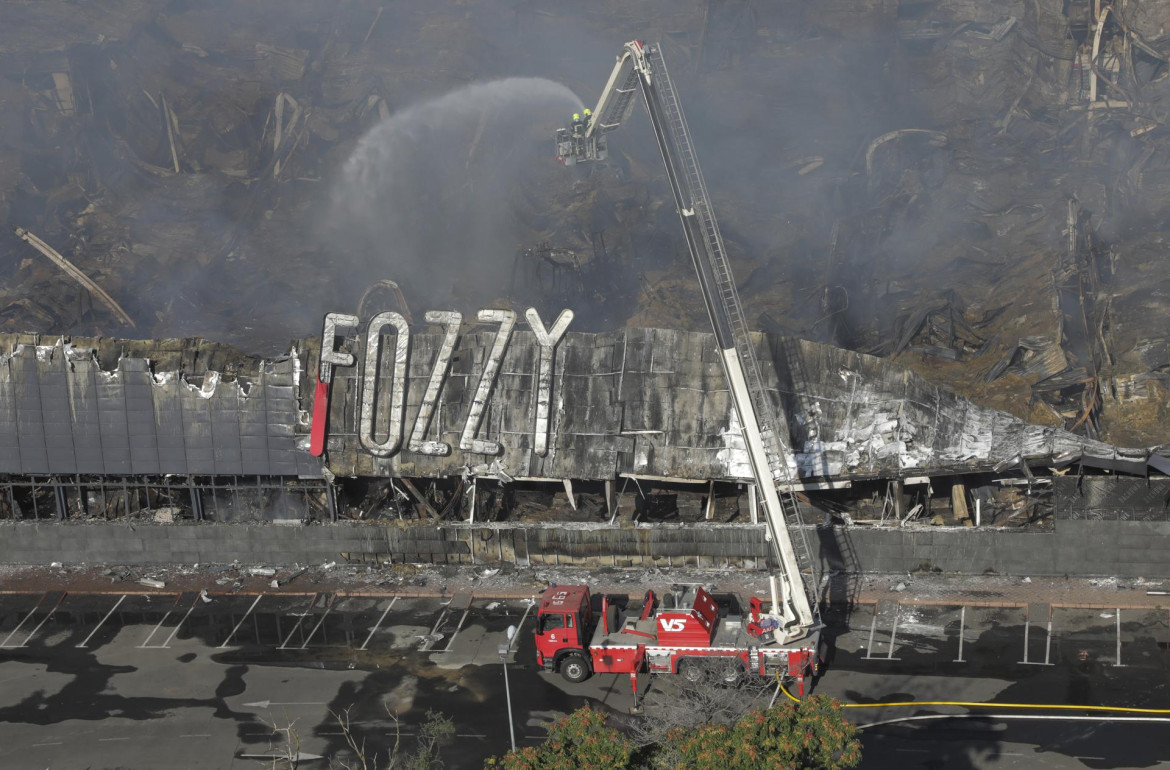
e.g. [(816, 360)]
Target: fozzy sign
[(390, 331)]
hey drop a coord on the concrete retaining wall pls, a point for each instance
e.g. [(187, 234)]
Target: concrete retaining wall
[(665, 546), (966, 551), (1083, 548), (1127, 549)]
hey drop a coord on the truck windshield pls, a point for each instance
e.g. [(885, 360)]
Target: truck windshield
[(551, 623)]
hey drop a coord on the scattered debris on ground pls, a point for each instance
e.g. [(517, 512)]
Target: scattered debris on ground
[(520, 583)]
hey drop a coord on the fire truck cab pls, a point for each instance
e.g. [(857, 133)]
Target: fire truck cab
[(564, 618)]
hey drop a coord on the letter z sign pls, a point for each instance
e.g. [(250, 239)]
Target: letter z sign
[(547, 340)]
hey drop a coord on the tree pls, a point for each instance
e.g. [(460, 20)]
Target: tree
[(437, 730), (699, 698), (810, 734), (432, 734), (580, 740)]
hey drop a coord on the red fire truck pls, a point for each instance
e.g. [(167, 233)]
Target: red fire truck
[(683, 631)]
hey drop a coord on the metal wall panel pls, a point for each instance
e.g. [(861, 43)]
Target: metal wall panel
[(30, 424), (60, 413), (1105, 498), (641, 401), (9, 432)]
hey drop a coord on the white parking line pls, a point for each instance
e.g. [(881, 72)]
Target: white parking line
[(893, 638), (287, 639), (375, 628), (872, 630), (300, 619), (237, 628), (23, 621), (50, 743), (33, 633), (1047, 643), (107, 617), (312, 633), (179, 625), (402, 732), (155, 631), (457, 628), (426, 643)]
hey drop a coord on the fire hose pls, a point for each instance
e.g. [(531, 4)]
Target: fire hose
[(977, 704)]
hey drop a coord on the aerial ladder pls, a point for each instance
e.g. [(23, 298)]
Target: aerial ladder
[(641, 69)]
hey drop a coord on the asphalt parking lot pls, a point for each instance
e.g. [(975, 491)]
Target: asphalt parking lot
[(124, 680), (985, 638), (1035, 654), (188, 680)]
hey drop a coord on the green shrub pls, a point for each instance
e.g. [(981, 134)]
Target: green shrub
[(580, 740)]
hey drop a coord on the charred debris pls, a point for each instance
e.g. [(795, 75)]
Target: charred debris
[(972, 191)]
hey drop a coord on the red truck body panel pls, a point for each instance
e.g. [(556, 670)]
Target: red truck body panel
[(617, 660), (689, 628)]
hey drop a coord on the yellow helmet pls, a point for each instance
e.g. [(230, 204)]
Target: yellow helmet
[(576, 116), (587, 112)]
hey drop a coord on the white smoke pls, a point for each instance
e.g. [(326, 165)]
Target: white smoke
[(425, 196)]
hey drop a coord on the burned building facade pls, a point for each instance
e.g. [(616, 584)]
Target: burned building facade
[(494, 422), (973, 191)]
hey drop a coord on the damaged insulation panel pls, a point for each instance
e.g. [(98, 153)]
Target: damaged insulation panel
[(62, 413), (654, 403)]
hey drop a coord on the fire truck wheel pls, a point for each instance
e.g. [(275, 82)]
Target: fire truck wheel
[(691, 671), (731, 672), (574, 668)]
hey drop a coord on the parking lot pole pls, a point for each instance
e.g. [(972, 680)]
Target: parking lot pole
[(508, 695), (1118, 617), (962, 626)]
